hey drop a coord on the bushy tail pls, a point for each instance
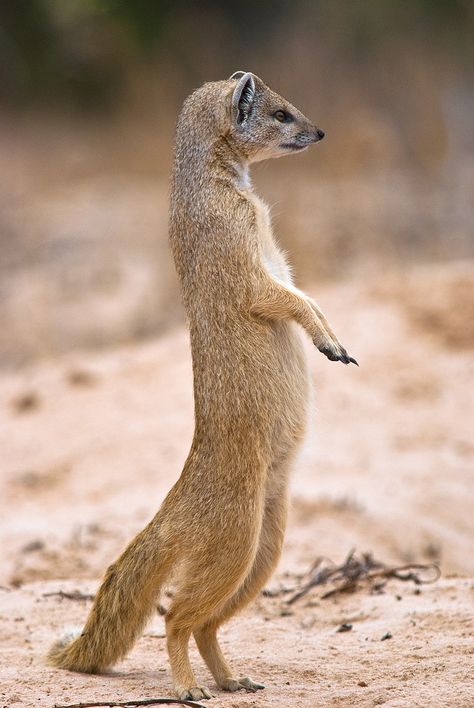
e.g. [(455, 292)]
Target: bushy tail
[(124, 602)]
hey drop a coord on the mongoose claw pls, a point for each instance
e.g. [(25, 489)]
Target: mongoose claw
[(334, 355), (346, 359), (195, 693)]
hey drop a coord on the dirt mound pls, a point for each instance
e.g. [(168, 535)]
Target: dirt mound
[(439, 301)]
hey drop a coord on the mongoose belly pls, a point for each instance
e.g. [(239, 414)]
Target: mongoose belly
[(291, 408), (258, 387)]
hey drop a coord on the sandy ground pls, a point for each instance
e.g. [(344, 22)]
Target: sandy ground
[(90, 444)]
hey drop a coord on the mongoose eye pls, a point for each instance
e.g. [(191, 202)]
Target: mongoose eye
[(283, 117)]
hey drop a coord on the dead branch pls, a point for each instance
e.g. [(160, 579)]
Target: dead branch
[(360, 569), (132, 704), (75, 595)]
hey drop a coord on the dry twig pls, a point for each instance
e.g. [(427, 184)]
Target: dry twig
[(74, 595), (355, 570), (133, 704)]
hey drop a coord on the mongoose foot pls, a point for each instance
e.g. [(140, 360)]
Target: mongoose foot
[(250, 685), (194, 693), (337, 354), (240, 684)]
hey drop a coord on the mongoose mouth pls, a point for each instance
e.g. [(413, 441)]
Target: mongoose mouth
[(304, 140), (293, 146)]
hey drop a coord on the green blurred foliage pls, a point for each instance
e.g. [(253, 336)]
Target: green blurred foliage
[(78, 52)]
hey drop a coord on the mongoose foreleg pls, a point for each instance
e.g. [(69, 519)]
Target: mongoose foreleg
[(277, 301)]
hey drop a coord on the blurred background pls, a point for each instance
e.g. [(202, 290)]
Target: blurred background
[(90, 91), (96, 409)]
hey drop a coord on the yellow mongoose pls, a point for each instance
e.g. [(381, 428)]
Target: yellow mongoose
[(221, 526)]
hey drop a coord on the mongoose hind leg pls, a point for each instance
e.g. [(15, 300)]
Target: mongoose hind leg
[(205, 588), (268, 553)]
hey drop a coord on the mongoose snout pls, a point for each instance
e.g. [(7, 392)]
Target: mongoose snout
[(304, 139)]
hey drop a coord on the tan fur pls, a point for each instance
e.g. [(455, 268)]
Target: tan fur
[(222, 524)]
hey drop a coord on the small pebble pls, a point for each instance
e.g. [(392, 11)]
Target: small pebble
[(36, 545), (387, 635), (345, 627), (26, 402), (80, 377)]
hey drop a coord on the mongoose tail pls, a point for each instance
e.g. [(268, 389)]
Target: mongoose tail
[(122, 606)]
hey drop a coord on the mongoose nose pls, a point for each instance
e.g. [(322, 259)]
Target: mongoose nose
[(320, 133)]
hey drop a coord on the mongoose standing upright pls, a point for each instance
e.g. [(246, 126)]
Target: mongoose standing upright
[(220, 529)]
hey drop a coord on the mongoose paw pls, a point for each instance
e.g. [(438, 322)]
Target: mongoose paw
[(337, 354), (245, 683), (250, 685), (195, 693)]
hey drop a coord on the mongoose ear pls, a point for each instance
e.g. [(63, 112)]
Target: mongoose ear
[(242, 98), (236, 75)]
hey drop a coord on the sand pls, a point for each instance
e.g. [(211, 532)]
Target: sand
[(91, 442)]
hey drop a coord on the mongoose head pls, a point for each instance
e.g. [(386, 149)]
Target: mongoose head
[(262, 123)]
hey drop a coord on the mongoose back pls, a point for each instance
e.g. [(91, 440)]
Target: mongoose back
[(220, 529)]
